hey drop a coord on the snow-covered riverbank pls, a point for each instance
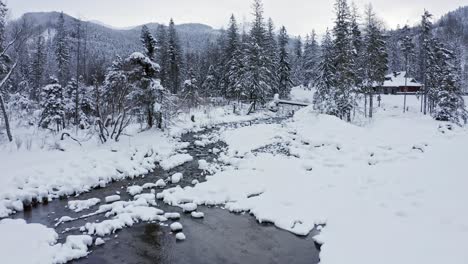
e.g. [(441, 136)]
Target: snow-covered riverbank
[(390, 191)]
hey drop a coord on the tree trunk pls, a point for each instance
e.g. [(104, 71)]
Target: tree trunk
[(5, 117), (365, 105), (2, 102), (371, 104), (150, 117)]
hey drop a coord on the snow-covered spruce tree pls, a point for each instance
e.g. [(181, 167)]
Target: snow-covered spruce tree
[(425, 50), (149, 43), (257, 75), (448, 103), (395, 56), (230, 53), (375, 56), (37, 67), (52, 106), (311, 60), (162, 54), (358, 48), (297, 62), (284, 67), (209, 85), (272, 54), (233, 57), (344, 61), (174, 59), (62, 52), (141, 73), (407, 49), (324, 97), (190, 93)]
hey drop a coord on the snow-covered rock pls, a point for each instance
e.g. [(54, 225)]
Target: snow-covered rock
[(175, 161), (99, 241), (176, 178), (203, 165), (176, 226), (180, 236), (134, 190), (172, 216), (197, 214), (160, 183), (80, 205), (189, 207), (112, 198)]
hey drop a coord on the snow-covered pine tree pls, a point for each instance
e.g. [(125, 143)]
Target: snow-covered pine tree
[(344, 61), (284, 66), (37, 67), (209, 85), (141, 73), (53, 106), (447, 101), (425, 46), (376, 58), (311, 59), (297, 62), (162, 53), (324, 97), (233, 55), (395, 56), (407, 49), (62, 52), (272, 54), (174, 59), (149, 43), (190, 93), (358, 48), (257, 75)]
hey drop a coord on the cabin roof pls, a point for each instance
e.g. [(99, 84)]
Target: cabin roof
[(397, 79)]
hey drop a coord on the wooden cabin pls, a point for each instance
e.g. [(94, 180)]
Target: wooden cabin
[(398, 82)]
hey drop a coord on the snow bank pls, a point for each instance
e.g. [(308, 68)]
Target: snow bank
[(29, 175), (396, 182), (23, 243)]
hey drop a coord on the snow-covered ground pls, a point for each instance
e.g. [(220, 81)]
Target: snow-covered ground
[(45, 167), (39, 166), (390, 191)]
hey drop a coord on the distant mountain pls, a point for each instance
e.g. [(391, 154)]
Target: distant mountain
[(113, 41)]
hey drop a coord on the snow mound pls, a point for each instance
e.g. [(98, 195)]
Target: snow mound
[(23, 243), (134, 190), (176, 178), (189, 207), (80, 205), (175, 227), (180, 236), (198, 215), (160, 183), (112, 198), (175, 161)]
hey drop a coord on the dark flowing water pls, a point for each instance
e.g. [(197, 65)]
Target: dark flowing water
[(220, 237)]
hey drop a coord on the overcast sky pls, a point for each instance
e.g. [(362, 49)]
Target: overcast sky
[(299, 16)]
